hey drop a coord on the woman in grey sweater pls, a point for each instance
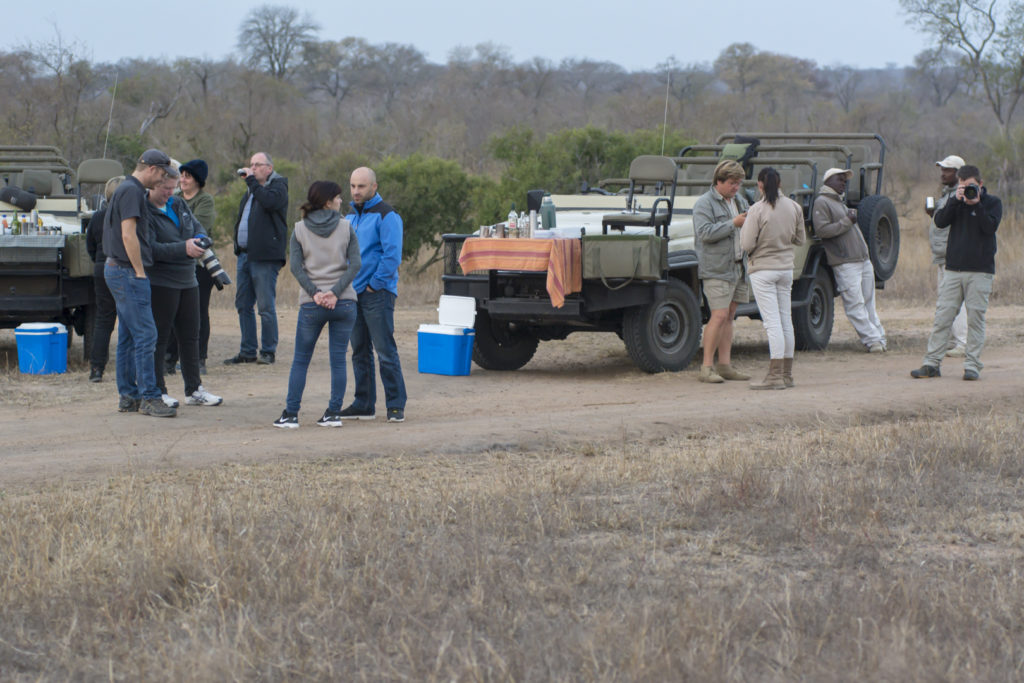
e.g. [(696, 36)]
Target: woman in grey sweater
[(774, 226), (324, 256)]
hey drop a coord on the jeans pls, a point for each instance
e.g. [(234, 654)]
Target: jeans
[(136, 333), (375, 329), (256, 286), (856, 284), (177, 310), (773, 290), (312, 319), (972, 291), (959, 322), (106, 317)]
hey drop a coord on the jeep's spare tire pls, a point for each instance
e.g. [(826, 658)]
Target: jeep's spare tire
[(880, 226)]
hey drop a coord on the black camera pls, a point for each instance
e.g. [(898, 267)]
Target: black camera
[(212, 263), (972, 191)]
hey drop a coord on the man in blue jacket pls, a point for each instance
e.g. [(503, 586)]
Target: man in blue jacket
[(379, 231), (261, 238)]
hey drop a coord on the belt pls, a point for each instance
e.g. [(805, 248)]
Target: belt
[(114, 264)]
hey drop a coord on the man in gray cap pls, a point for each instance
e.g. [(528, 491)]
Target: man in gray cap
[(847, 253), (938, 237), (127, 242)]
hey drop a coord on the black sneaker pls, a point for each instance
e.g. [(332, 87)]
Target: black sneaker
[(353, 413), (287, 420), (970, 375), (330, 419), (925, 371), (127, 404), (239, 359), (96, 374), (396, 415), (155, 407), (265, 358)]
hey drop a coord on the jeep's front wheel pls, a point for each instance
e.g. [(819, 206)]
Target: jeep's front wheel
[(812, 324), (664, 334), (500, 345)]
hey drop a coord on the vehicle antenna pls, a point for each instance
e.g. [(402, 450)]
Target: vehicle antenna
[(110, 116), (664, 123)]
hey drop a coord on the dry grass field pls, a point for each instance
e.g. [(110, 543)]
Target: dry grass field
[(880, 543)]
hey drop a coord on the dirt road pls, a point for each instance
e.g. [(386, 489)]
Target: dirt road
[(574, 394)]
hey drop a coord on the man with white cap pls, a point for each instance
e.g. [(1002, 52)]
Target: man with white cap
[(938, 237), (847, 252)]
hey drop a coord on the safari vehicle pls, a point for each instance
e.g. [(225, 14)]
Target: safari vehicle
[(660, 319), (47, 276)]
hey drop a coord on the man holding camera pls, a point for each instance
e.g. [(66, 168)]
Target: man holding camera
[(937, 238), (847, 252), (972, 216), (261, 237)]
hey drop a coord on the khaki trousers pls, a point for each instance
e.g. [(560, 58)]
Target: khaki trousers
[(972, 291)]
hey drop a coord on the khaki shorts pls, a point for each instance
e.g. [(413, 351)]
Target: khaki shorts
[(721, 293)]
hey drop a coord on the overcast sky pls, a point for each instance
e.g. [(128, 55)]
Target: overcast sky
[(636, 34)]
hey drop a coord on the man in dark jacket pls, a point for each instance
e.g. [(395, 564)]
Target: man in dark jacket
[(261, 233), (972, 216)]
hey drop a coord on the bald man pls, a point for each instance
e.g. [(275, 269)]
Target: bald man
[(379, 231), (261, 238)]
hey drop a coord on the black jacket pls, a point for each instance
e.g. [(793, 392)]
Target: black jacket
[(972, 233), (268, 227)]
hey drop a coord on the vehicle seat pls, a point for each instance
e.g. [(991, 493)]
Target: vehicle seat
[(41, 183), (648, 172)]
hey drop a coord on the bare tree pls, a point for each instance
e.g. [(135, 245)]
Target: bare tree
[(992, 44), (940, 75), (271, 38), (843, 83)]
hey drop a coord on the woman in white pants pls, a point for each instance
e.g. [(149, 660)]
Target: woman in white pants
[(774, 226)]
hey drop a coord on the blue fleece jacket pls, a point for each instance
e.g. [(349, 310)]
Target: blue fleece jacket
[(379, 231)]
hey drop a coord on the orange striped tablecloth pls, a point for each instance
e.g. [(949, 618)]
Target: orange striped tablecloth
[(562, 259)]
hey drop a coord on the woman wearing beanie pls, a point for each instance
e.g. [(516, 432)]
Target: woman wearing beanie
[(324, 258), (773, 227), (200, 203)]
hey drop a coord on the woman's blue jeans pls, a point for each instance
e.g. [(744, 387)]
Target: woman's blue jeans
[(312, 319)]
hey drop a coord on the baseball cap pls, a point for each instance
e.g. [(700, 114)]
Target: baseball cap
[(837, 171), (154, 157), (952, 161)]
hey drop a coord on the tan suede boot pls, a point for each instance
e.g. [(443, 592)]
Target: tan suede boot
[(773, 380), (729, 372), (787, 372), (708, 374)]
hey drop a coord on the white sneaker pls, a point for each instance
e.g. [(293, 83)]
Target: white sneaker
[(169, 401), (202, 397), (956, 352)]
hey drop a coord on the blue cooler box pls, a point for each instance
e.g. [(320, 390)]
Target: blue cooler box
[(42, 348), (447, 348)]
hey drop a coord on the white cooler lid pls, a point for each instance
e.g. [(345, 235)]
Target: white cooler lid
[(458, 311), (41, 328), (454, 330)]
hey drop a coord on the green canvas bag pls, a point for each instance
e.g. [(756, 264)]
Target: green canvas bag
[(634, 257), (76, 256)]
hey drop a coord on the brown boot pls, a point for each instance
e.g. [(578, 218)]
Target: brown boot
[(729, 372), (708, 374), (773, 380), (787, 372)]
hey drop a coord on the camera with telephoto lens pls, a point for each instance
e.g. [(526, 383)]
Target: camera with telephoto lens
[(211, 262), (971, 191)]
